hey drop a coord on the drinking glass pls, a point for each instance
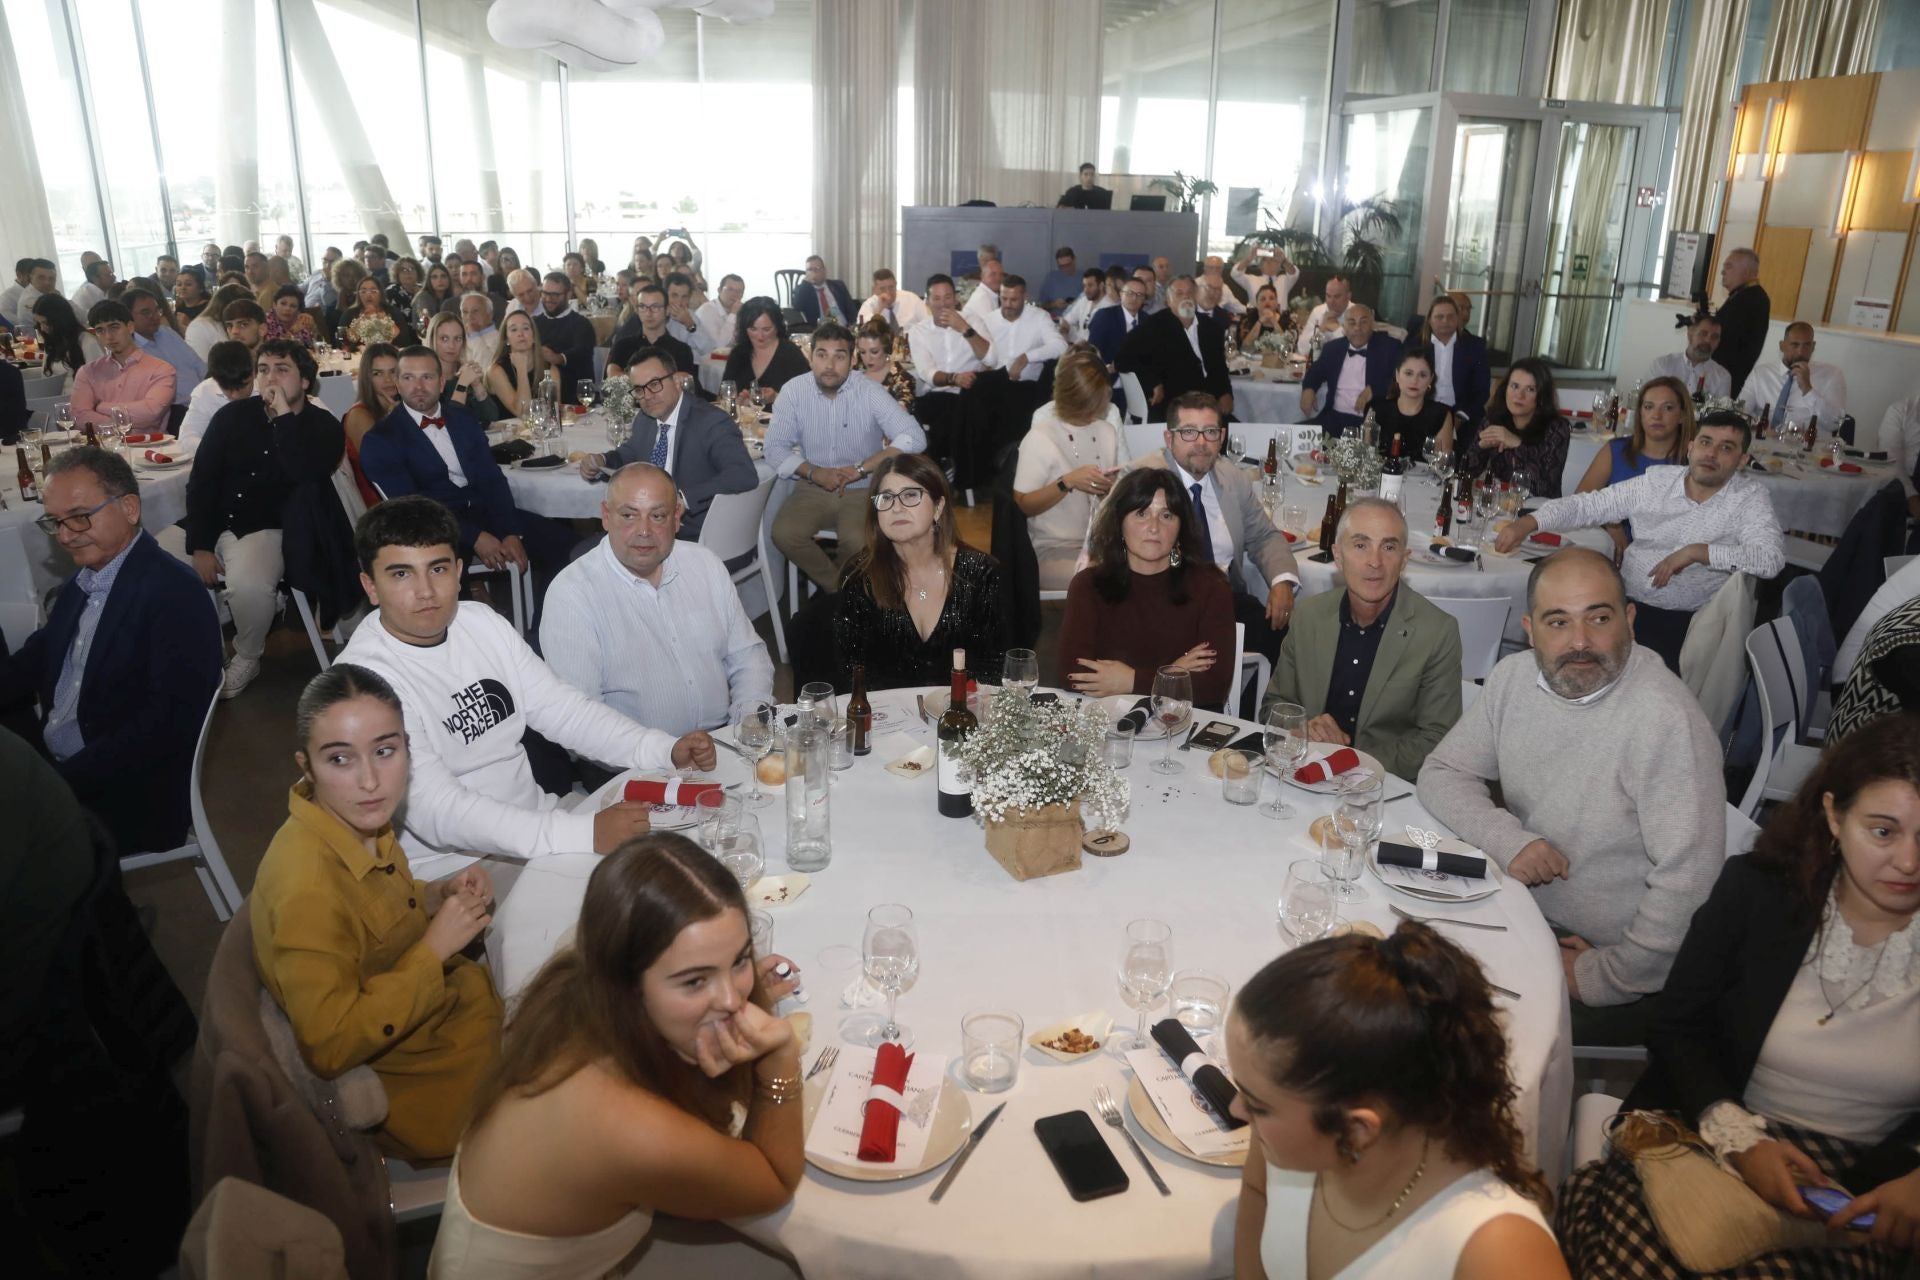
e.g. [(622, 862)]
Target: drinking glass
[(754, 733), (1172, 707), (1284, 730), (841, 749), (817, 699), (585, 393), (1484, 498), (63, 422), (729, 396), (1199, 999), (717, 813), (1308, 906), (1240, 775), (1118, 752), (760, 929), (1522, 488), (118, 427), (1146, 970), (1236, 447), (1357, 822), (1022, 671), (741, 851), (890, 953), (1293, 519), (990, 1049)]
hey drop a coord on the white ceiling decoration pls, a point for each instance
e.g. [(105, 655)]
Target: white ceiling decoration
[(605, 35)]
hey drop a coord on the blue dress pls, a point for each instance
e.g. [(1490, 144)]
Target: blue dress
[(1625, 470)]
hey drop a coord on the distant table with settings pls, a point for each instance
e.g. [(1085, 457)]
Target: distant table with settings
[(1048, 950)]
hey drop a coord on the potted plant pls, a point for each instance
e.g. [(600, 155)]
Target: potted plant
[(1040, 779), (1188, 191), (1363, 229)]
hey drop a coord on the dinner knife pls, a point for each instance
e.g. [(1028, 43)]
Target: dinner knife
[(979, 1132)]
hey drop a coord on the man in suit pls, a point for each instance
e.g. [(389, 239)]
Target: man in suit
[(1462, 379), (648, 331), (127, 663), (819, 298), (1356, 370), (1235, 527), (566, 335), (1111, 326), (1743, 316), (689, 439), (1375, 666), (1178, 350)]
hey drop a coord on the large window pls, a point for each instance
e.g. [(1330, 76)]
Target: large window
[(1386, 165), (38, 33), (1155, 63), (1272, 118)]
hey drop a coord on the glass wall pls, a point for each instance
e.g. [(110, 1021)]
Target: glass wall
[(1275, 59), (1486, 40), (41, 51), (1386, 166), (1156, 60), (1393, 42)]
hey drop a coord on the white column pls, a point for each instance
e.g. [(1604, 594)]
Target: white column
[(26, 228), (236, 172), (481, 130), (358, 169)]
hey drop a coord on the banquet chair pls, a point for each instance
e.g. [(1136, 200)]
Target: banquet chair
[(315, 636), (1588, 1140), (735, 526), (1482, 624), (1243, 662), (798, 582), (1804, 553), (43, 386), (1136, 397), (519, 587), (785, 281), (1470, 691), (201, 848), (1779, 673)]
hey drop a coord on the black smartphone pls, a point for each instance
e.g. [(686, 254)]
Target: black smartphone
[(1321, 557), (1213, 737), (1080, 1155)]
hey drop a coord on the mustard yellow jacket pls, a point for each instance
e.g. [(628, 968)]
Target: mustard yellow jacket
[(337, 937)]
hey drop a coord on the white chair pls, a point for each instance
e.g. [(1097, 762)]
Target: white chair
[(201, 848), (1242, 663), (414, 1193), (1135, 397), (734, 526), (797, 581), (1588, 1140), (1482, 624), (47, 384), (1469, 694), (1142, 438), (18, 620), (519, 586), (599, 364), (1804, 552), (317, 638), (1303, 437), (1894, 564), (1779, 673)]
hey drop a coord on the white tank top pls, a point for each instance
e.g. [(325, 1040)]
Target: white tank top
[(1428, 1243), (468, 1249)]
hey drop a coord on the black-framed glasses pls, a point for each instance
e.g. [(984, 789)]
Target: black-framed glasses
[(78, 522), (1190, 434), (910, 497), (653, 387)]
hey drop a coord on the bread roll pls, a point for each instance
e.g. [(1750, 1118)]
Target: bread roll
[(772, 771)]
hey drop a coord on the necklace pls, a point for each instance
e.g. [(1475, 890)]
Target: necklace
[(921, 592), (1414, 1181), (1835, 1006)]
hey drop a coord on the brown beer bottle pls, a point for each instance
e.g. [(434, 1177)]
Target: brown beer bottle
[(29, 491), (860, 712), (1328, 520)]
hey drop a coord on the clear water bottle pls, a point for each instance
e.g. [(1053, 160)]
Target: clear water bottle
[(549, 395), (809, 780)]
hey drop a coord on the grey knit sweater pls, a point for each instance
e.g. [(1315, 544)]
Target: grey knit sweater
[(1627, 786)]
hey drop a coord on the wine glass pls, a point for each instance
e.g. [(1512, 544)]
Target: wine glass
[(1293, 519), (729, 396), (740, 850), (890, 954), (1146, 970), (1309, 908), (1356, 821), (585, 394), (754, 733), (1522, 488), (1285, 739), (1172, 707), (1021, 671), (816, 699), (63, 422)]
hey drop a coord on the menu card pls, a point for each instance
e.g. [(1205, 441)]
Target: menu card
[(1180, 1105), (835, 1134)]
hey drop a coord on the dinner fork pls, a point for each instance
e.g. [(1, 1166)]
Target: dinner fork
[(825, 1061), (1110, 1112), (1464, 924)]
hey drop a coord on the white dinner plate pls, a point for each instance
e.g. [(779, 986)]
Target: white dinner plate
[(1495, 878), (179, 461), (1334, 785), (679, 817), (1120, 704), (952, 1122), (1148, 1117)]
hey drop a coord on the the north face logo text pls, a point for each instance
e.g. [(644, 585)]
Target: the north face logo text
[(477, 708)]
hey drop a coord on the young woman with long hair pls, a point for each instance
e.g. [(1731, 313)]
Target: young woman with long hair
[(1524, 430), (1663, 427), (518, 366)]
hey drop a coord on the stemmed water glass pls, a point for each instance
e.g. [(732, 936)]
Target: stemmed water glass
[(1285, 739), (1146, 971), (1172, 707), (1356, 820), (729, 395), (585, 393), (1308, 904), (63, 422), (754, 733), (890, 955), (1020, 670)]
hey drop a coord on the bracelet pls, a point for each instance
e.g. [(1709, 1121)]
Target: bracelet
[(780, 1089)]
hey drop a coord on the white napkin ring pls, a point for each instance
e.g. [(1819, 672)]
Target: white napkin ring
[(892, 1097), (1191, 1064)]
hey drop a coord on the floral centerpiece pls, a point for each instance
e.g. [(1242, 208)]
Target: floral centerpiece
[(1355, 462), (377, 327), (616, 397), (1275, 341), (1039, 775)]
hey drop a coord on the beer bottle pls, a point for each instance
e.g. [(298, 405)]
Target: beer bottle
[(860, 712), (1327, 522), (1270, 469), (29, 492)]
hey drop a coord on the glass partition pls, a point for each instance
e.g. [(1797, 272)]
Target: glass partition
[(1382, 201), (1483, 252), (1272, 111)]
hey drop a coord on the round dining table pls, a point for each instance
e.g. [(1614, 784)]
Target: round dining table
[(1048, 949)]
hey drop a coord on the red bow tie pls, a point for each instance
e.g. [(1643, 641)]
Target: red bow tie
[(433, 422)]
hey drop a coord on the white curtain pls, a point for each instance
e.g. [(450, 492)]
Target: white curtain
[(1609, 51), (1808, 38), (1006, 98), (856, 77), (26, 229)]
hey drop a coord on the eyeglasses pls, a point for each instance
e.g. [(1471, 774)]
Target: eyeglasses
[(553, 296), (653, 387), (1190, 434), (651, 306), (78, 522), (906, 497)]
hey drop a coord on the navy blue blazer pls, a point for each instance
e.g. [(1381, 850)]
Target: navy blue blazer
[(1472, 378), (808, 302), (399, 459), (1107, 330), (153, 669), (1382, 354), (708, 457)]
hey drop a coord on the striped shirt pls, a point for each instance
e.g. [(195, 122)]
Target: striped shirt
[(842, 430)]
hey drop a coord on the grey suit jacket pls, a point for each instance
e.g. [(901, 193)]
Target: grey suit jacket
[(1252, 530), (1413, 693), (708, 457)]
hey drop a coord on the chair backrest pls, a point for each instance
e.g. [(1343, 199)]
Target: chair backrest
[(1470, 692), (600, 362), (48, 404), (1482, 624), (1305, 438), (1235, 674), (18, 620), (1894, 564), (1773, 651), (732, 524), (785, 281), (1142, 438), (1135, 397), (1742, 831), (46, 384)]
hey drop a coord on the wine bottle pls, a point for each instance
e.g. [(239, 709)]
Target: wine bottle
[(1393, 471), (1463, 499), (860, 712), (1613, 413), (29, 492), (956, 723), (1700, 390), (1443, 518), (1813, 432), (1328, 519), (1270, 469), (89, 435)]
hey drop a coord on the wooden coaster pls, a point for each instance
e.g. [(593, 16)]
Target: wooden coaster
[(1106, 844)]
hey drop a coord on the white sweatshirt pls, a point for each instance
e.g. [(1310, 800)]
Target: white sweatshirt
[(467, 701)]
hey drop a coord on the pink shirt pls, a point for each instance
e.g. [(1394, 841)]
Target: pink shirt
[(143, 386)]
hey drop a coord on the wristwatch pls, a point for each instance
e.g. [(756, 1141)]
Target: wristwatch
[(860, 470), (1061, 485)]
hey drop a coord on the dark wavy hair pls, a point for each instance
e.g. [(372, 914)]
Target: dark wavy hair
[(585, 1003), (1107, 546), (1796, 842), (753, 308), (62, 337), (1406, 1021), (1546, 410)]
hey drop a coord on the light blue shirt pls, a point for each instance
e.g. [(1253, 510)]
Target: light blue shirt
[(843, 430), (189, 369), (677, 657), (62, 730)]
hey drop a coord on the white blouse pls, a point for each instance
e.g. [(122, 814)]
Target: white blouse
[(1428, 1241), (1049, 450)]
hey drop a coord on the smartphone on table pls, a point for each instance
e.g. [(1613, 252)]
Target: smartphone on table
[(1080, 1155)]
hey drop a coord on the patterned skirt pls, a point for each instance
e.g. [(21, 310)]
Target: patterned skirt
[(1607, 1232)]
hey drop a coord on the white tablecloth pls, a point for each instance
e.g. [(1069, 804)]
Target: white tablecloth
[(1809, 498), (1046, 949), (1257, 400)]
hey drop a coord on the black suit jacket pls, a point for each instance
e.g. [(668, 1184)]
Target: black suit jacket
[(1727, 983), (571, 334), (629, 341), (153, 668), (707, 457), (1159, 352), (1743, 331), (1382, 355), (399, 459), (808, 301), (1108, 330)]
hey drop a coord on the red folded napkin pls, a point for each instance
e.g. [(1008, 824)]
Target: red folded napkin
[(671, 792), (880, 1125), (154, 455), (146, 437), (1851, 468), (1288, 536), (1342, 759), (1546, 539), (576, 408)]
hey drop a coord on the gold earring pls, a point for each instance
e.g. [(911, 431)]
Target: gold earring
[(1174, 559)]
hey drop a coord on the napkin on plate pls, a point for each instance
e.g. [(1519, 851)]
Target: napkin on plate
[(154, 455), (1136, 719), (145, 437), (1547, 539), (880, 1130), (1172, 1035), (548, 461), (673, 791), (1335, 764), (1471, 865)]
